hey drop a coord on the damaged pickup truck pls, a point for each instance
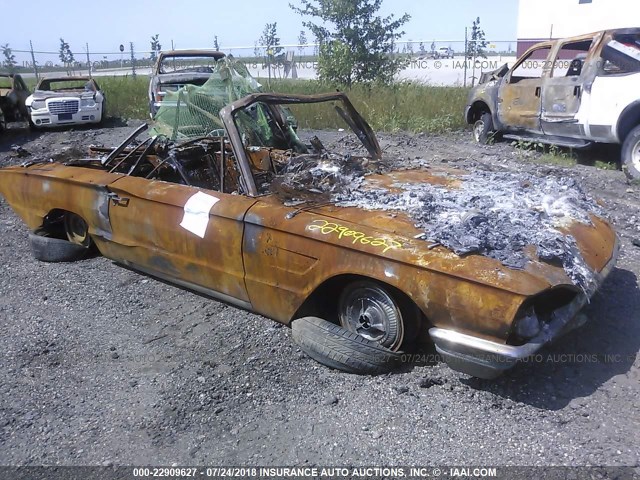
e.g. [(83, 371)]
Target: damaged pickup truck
[(362, 254), (571, 92)]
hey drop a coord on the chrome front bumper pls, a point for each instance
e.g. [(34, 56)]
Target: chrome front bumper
[(486, 359)]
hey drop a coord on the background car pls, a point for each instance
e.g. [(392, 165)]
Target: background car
[(572, 92), (13, 94), (66, 101), (445, 52), (176, 68)]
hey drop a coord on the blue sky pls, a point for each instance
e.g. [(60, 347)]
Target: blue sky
[(240, 23)]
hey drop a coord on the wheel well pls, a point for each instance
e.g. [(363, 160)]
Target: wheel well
[(477, 109), (317, 304), (53, 223), (629, 119)]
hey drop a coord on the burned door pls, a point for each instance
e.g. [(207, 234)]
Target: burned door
[(519, 95), (187, 235), (562, 91)]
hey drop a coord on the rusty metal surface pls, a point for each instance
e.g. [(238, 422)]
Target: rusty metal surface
[(271, 257)]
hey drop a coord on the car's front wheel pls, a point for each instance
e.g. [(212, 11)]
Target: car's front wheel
[(631, 154), (369, 310), (483, 128)]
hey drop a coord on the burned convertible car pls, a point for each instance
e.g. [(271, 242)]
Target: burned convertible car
[(361, 254)]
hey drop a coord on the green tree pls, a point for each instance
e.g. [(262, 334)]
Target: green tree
[(133, 59), (302, 40), (271, 43), (65, 54), (155, 47), (270, 40), (9, 61), (410, 47), (356, 44), (477, 45), (216, 45)]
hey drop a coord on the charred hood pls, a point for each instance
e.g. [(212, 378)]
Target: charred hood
[(513, 218)]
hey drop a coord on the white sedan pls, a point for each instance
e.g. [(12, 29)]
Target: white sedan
[(66, 101)]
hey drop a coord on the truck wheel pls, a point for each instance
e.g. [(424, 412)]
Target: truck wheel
[(338, 348), (483, 128), (631, 154)]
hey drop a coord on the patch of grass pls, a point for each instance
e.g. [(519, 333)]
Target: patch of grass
[(602, 165), (405, 106), (549, 154), (127, 97)]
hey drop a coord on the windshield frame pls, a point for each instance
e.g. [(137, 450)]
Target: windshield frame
[(228, 114)]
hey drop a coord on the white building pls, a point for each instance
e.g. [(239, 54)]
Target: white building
[(540, 20)]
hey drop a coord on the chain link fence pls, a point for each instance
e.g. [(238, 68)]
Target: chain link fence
[(437, 62)]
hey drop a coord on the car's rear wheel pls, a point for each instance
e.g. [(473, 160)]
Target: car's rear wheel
[(77, 230), (369, 310), (483, 128), (631, 154)]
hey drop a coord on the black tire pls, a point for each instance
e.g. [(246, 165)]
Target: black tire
[(32, 126), (335, 347), (49, 249), (483, 128), (367, 309), (103, 113), (630, 157)]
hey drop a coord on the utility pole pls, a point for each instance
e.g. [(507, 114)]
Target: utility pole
[(33, 59), (88, 59), (466, 56)]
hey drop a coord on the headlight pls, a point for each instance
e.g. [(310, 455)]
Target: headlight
[(38, 104), (87, 102), (540, 311), (528, 326)]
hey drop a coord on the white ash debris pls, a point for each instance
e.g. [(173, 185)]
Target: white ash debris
[(307, 176), (496, 214)]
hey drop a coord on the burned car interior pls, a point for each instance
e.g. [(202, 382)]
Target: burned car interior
[(272, 147)]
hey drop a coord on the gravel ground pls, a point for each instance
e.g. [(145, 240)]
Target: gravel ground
[(101, 365)]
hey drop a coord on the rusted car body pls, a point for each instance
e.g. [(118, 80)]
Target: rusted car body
[(13, 93), (58, 101), (205, 215), (176, 68), (570, 92)]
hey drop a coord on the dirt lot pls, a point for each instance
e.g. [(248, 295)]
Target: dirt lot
[(101, 365)]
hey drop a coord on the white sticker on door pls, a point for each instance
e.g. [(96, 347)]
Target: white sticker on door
[(196, 213)]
